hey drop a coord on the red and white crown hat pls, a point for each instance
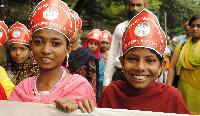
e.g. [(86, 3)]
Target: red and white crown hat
[(145, 1), (95, 34), (144, 31), (18, 33), (53, 14), (106, 36), (78, 20), (3, 32)]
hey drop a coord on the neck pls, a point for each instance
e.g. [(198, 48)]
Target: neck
[(48, 78)]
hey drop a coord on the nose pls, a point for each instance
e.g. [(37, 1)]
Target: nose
[(18, 52), (46, 49), (140, 67)]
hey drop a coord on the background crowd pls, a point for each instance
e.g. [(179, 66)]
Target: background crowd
[(133, 68)]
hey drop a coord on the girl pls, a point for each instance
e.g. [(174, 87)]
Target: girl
[(93, 44), (20, 64), (105, 44), (143, 48), (52, 28), (185, 61)]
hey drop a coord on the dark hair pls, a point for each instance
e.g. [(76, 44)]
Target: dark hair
[(193, 18)]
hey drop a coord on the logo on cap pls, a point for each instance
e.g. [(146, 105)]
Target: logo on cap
[(16, 33), (51, 13), (142, 29), (1, 34)]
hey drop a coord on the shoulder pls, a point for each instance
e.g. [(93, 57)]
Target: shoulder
[(77, 79), (122, 25), (27, 82), (168, 90)]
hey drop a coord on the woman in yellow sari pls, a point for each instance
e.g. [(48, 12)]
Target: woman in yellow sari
[(186, 62)]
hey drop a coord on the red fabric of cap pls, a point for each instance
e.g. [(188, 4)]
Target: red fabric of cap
[(144, 31), (3, 32)]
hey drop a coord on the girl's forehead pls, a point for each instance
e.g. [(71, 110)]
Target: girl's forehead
[(92, 41), (18, 45), (48, 33), (141, 50)]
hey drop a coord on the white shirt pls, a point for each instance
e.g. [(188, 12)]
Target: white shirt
[(114, 53)]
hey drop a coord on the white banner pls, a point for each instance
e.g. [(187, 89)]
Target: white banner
[(11, 108)]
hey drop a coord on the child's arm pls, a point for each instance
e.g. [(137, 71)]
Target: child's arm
[(69, 105), (66, 104)]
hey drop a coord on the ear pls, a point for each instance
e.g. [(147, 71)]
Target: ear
[(121, 59), (68, 50)]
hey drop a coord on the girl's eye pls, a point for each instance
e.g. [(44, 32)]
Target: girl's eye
[(131, 59), (151, 60), (38, 41), (56, 44), (12, 48)]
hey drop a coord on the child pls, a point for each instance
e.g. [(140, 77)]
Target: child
[(4, 80), (105, 44), (143, 48), (20, 64), (93, 43), (52, 28), (3, 37), (81, 60)]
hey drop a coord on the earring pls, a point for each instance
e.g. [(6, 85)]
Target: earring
[(67, 56)]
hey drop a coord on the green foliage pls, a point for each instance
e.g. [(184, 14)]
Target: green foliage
[(178, 11)]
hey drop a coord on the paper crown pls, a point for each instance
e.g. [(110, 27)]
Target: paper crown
[(3, 32), (78, 20), (53, 14), (145, 1), (18, 33), (106, 36), (144, 31), (95, 34)]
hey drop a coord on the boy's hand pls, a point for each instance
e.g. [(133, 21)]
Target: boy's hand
[(86, 105)]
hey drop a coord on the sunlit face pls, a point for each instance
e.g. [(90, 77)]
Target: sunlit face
[(136, 6), (19, 52), (105, 46), (141, 67), (195, 29), (49, 48), (93, 46)]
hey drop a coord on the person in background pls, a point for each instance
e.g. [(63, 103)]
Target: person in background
[(19, 64), (3, 38), (143, 46), (93, 43), (185, 63), (113, 66), (4, 80), (81, 60), (52, 29), (105, 44)]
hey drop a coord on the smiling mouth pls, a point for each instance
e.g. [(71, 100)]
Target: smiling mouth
[(139, 77), (46, 60)]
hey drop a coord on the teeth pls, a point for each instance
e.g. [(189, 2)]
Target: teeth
[(46, 59), (140, 77)]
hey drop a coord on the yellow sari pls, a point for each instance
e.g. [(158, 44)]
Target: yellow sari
[(188, 67), (6, 82)]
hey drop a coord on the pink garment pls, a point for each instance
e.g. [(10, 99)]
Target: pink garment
[(71, 86)]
